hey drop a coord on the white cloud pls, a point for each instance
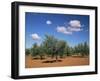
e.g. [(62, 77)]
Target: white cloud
[(75, 26), (74, 29), (63, 30), (75, 23), (48, 22), (70, 27), (35, 36), (67, 32)]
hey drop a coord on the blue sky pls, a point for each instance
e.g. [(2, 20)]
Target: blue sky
[(73, 29)]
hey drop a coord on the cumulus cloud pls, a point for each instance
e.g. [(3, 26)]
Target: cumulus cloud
[(75, 23), (74, 29), (48, 22), (73, 26), (63, 30), (35, 36)]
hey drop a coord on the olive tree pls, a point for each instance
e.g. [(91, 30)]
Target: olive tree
[(27, 51), (49, 44), (34, 50)]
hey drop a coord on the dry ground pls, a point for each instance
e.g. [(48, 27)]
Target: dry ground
[(68, 61)]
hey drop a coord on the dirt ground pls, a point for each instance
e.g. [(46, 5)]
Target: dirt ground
[(68, 61)]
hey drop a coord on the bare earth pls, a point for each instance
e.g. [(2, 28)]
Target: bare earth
[(68, 61)]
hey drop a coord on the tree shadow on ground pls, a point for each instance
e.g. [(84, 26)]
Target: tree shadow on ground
[(37, 58), (51, 61)]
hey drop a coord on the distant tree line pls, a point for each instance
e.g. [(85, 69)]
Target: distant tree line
[(54, 48)]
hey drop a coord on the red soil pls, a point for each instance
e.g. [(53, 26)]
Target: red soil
[(67, 61)]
